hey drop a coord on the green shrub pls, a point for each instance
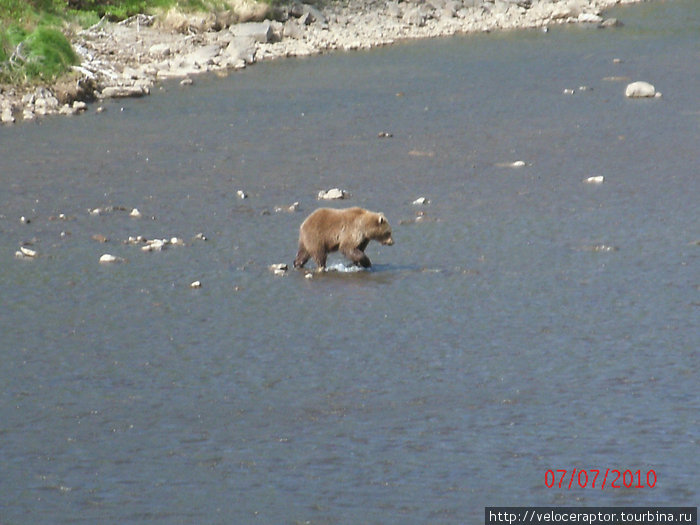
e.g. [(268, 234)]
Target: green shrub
[(49, 53), (44, 53)]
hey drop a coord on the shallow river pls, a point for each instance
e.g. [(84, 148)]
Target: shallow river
[(529, 321)]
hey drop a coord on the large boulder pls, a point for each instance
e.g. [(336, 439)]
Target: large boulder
[(240, 48), (204, 56), (640, 90), (124, 91), (259, 31)]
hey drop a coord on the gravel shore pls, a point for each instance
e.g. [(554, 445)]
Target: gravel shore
[(127, 59)]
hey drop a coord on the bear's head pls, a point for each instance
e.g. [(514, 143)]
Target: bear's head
[(378, 228)]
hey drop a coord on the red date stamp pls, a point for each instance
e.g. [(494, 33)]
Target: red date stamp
[(596, 478)]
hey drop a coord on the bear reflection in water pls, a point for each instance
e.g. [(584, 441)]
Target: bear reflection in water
[(347, 230)]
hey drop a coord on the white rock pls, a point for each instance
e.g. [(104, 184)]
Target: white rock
[(27, 252), (333, 193), (242, 194), (135, 213), (260, 31), (160, 50), (109, 258), (640, 89), (196, 284), (154, 245), (66, 109), (414, 17), (7, 117), (420, 200), (124, 91), (597, 179), (517, 164), (279, 268), (610, 22), (589, 18), (203, 55), (240, 49)]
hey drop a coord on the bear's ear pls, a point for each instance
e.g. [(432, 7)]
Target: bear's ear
[(382, 219)]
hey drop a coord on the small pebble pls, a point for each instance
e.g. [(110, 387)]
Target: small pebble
[(597, 179), (196, 284)]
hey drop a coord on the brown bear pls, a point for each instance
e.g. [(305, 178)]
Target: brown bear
[(347, 230)]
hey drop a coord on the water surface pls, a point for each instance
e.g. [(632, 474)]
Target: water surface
[(529, 321)]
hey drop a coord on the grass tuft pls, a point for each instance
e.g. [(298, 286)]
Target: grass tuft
[(49, 54), (42, 54)]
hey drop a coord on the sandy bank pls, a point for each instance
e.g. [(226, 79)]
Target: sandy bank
[(127, 59)]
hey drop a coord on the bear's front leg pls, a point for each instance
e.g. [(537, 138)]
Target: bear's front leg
[(320, 258), (364, 261), (358, 257), (302, 256)]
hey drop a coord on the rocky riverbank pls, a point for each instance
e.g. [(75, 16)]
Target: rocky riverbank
[(128, 58)]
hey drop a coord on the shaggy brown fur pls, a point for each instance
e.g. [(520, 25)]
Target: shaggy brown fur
[(348, 230)]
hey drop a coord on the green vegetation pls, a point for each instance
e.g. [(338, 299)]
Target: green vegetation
[(33, 42), (43, 53)]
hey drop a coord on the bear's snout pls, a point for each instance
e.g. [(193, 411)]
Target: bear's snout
[(388, 241)]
